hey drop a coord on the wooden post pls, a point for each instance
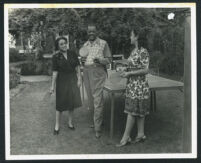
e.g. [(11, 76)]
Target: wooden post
[(187, 87)]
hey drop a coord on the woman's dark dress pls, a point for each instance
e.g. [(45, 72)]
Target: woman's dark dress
[(67, 91)]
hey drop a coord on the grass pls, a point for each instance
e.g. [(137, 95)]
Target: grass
[(32, 115)]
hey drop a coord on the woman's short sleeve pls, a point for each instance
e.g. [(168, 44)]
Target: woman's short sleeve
[(144, 58), (54, 63)]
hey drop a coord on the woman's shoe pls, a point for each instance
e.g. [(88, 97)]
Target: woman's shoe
[(56, 132), (71, 127), (124, 143), (97, 134), (139, 139)]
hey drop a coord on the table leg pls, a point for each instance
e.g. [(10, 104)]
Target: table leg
[(82, 88), (151, 100), (112, 116)]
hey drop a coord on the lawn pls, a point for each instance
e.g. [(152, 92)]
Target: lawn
[(32, 117)]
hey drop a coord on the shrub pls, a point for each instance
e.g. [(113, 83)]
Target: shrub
[(156, 57), (47, 67), (14, 77), (15, 56), (37, 67), (28, 69)]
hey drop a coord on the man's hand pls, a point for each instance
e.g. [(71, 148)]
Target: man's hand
[(103, 61), (97, 60), (83, 59)]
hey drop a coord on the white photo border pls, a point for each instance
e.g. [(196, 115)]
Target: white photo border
[(193, 154)]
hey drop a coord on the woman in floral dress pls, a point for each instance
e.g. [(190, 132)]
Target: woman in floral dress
[(137, 89)]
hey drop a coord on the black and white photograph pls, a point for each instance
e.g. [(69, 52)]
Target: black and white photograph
[(100, 81)]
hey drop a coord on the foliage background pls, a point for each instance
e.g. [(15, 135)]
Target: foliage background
[(165, 37)]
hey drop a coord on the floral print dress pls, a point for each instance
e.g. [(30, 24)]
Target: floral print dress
[(137, 88)]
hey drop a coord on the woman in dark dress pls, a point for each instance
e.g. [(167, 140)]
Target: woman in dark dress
[(67, 80), (137, 88)]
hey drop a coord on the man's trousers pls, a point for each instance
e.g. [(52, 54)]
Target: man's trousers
[(94, 80)]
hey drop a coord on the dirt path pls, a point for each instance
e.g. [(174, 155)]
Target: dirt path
[(33, 117)]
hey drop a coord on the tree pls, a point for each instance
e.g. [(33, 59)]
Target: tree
[(165, 37)]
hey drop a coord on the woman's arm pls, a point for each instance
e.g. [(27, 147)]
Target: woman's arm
[(78, 75), (139, 72), (136, 72), (54, 78)]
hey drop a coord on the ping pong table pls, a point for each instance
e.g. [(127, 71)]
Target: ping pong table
[(115, 84)]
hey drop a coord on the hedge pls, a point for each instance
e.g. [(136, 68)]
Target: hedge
[(14, 77)]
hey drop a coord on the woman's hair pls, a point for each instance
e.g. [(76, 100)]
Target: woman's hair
[(142, 37), (57, 42)]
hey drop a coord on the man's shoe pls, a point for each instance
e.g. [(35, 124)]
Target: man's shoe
[(56, 132), (91, 126)]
